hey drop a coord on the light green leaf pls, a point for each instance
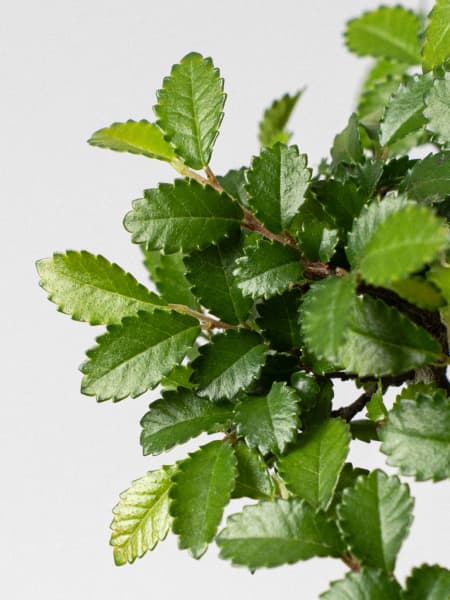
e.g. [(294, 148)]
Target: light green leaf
[(437, 110), (375, 516), (277, 182), (167, 272), (210, 272), (368, 222), (382, 70), (278, 319), (311, 470), (382, 341), (436, 47), (428, 582), (183, 216), (137, 137), (440, 276), (141, 517), (190, 108), (200, 491), (272, 127), (253, 479), (269, 422), (267, 269), (416, 437), (403, 114), (134, 356), (234, 183), (368, 584), (402, 243), (347, 144), (179, 416), (387, 32), (179, 377), (373, 102), (429, 179), (418, 291), (376, 410), (269, 534), (324, 316), (229, 364), (90, 288)]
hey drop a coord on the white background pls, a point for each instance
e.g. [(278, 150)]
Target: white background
[(67, 68)]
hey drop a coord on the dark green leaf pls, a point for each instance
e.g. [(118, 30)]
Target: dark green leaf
[(416, 437), (210, 272), (437, 110), (137, 137), (134, 356), (179, 416), (364, 430), (277, 182), (436, 47), (368, 584), (141, 517), (190, 108), (347, 479), (90, 288), (429, 178), (317, 241), (272, 127), (342, 201), (403, 113), (269, 422), (387, 32), (401, 244), (280, 532), (428, 582), (253, 479), (200, 491), (278, 319), (347, 144), (375, 516), (183, 216), (234, 183), (229, 364), (267, 268), (311, 470)]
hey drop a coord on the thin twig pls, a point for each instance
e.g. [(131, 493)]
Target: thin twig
[(207, 322), (348, 412), (351, 562)]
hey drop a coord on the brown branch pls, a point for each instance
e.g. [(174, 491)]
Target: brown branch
[(351, 562), (348, 412)]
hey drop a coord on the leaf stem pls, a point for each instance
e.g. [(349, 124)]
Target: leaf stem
[(351, 562), (207, 322)]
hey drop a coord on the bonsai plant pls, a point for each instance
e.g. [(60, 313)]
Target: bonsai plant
[(273, 283)]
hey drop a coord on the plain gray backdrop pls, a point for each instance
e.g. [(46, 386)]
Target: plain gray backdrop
[(69, 67)]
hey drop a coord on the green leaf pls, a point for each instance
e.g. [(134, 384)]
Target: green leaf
[(324, 315), (137, 137), (272, 127), (278, 319), (141, 517), (317, 241), (179, 377), (382, 341), (183, 216), (228, 364), (439, 275), (368, 222), (267, 268), (376, 410), (134, 356), (403, 114), (168, 274), (403, 243), (375, 516), (382, 70), (428, 582), (179, 416), (210, 272), (416, 437), (201, 489), (347, 144), (373, 101), (269, 534), (90, 288), (253, 479), (311, 470), (269, 422), (429, 179), (436, 46), (437, 110), (419, 292), (343, 201), (364, 430), (277, 183), (347, 479), (234, 183), (387, 32), (190, 108), (368, 584)]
